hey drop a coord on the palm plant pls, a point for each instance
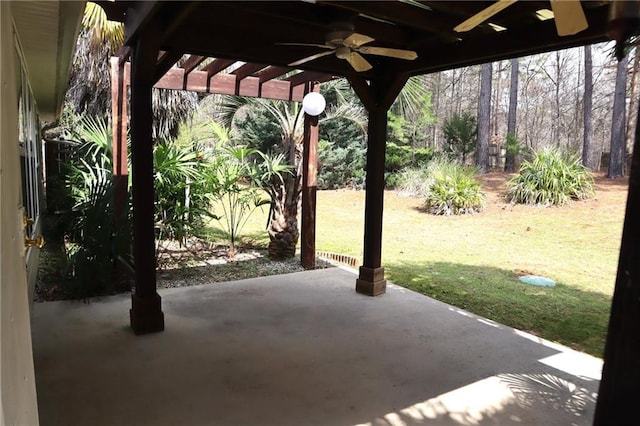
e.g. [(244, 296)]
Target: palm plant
[(89, 92), (92, 244), (234, 177), (181, 204), (287, 119)]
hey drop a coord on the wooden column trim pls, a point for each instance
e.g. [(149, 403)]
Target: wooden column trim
[(120, 166), (377, 96), (309, 186), (145, 314), (621, 372)]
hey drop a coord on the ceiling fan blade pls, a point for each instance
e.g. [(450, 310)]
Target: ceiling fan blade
[(392, 53), (357, 40), (310, 58), (483, 15), (358, 62), (569, 17), (324, 46)]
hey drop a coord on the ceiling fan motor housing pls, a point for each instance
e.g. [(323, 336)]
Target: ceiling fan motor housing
[(336, 38), (343, 52)]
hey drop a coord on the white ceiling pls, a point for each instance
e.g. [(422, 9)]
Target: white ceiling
[(47, 32)]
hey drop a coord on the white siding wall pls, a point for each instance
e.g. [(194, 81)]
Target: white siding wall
[(17, 382)]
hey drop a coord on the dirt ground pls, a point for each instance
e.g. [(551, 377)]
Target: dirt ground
[(609, 192)]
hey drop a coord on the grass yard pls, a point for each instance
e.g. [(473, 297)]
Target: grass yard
[(473, 262)]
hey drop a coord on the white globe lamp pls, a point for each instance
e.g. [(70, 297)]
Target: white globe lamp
[(313, 104)]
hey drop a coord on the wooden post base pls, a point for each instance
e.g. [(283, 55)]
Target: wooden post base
[(146, 314), (371, 281)]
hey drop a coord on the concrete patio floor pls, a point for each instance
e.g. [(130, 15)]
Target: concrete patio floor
[(301, 349)]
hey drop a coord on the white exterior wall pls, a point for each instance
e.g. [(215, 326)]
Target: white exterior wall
[(18, 404)]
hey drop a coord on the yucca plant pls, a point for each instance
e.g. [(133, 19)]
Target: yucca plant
[(551, 178), (455, 189)]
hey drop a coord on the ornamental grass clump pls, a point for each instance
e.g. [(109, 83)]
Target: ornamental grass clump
[(551, 178), (454, 191)]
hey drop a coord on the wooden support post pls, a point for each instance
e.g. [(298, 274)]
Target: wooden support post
[(120, 166), (377, 97), (146, 314), (309, 187), (620, 384), (371, 278)]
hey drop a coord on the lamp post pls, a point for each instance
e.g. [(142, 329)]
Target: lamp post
[(313, 104)]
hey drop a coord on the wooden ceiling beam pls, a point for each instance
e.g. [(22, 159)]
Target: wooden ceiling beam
[(176, 20), (402, 14), (138, 15), (513, 43), (307, 76)]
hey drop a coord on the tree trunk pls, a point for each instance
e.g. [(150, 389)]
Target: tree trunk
[(556, 127), (510, 160), (631, 122), (484, 119), (588, 157), (616, 158), (283, 221)]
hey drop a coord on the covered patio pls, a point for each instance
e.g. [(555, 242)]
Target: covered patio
[(305, 348), (301, 349)]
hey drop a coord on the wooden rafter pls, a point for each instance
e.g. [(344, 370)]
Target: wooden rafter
[(272, 72), (217, 65), (192, 62), (247, 69)]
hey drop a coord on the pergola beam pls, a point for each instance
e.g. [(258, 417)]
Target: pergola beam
[(217, 65), (192, 62), (248, 69), (165, 63), (272, 72)]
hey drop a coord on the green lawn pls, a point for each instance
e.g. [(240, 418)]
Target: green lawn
[(473, 261)]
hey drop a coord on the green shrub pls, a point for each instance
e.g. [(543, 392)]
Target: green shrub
[(455, 190), (460, 134), (551, 178), (340, 167), (422, 156), (401, 157), (397, 157)]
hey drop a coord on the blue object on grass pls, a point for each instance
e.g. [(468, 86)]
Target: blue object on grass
[(537, 280)]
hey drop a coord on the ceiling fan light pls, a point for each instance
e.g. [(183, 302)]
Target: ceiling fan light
[(313, 104), (497, 28)]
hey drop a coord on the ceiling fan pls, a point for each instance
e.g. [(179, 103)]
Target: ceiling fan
[(568, 14), (349, 45)]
